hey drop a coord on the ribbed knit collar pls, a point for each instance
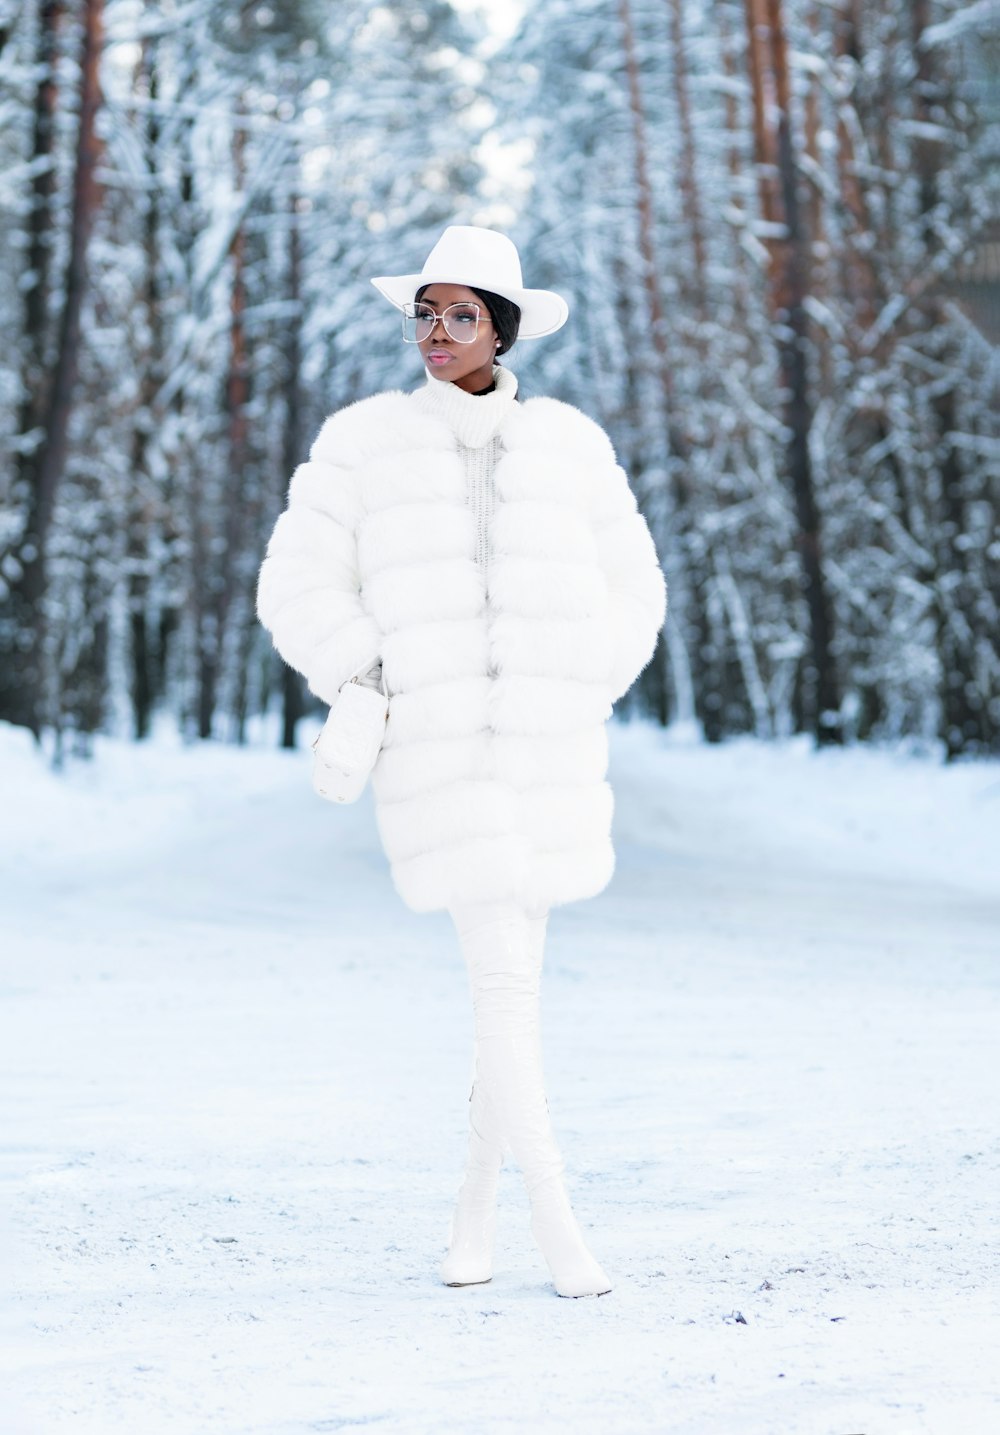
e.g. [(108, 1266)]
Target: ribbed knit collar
[(472, 418)]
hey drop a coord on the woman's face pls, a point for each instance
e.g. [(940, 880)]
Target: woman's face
[(470, 366)]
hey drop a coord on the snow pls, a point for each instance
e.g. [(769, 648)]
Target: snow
[(234, 1103), (970, 17)]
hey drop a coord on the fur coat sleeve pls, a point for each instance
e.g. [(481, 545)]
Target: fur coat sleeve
[(626, 553), (309, 588), (636, 586)]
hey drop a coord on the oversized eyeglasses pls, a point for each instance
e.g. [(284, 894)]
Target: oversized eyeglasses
[(461, 322)]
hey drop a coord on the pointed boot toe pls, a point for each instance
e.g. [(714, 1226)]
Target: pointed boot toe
[(557, 1233), (586, 1279)]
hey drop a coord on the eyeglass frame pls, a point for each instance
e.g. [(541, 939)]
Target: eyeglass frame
[(409, 312)]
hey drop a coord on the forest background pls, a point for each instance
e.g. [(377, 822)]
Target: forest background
[(775, 221)]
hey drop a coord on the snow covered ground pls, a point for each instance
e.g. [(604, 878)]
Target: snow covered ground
[(233, 1108)]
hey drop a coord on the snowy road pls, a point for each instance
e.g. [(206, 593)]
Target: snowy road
[(234, 1071)]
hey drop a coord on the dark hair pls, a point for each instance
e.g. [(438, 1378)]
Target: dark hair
[(506, 315)]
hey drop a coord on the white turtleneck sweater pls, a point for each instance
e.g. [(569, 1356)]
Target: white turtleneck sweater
[(474, 419)]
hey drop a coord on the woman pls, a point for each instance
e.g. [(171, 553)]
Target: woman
[(489, 555)]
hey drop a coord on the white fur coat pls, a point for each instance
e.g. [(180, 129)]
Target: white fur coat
[(491, 782)]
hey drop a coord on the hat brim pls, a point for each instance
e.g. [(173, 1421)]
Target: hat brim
[(542, 310)]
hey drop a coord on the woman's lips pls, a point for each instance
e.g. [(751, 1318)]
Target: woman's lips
[(438, 356)]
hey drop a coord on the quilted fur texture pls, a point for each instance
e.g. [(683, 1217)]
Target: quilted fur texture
[(491, 783)]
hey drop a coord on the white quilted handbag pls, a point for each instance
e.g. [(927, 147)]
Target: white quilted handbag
[(346, 747)]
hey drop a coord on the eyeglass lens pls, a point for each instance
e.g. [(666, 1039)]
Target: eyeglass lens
[(461, 322)]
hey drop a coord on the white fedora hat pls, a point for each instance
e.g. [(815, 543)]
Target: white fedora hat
[(480, 259)]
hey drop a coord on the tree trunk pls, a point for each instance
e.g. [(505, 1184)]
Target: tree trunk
[(859, 281), (221, 587), (690, 196), (19, 641), (677, 450), (788, 290), (966, 721), (141, 514), (292, 704), (291, 683), (811, 141), (762, 97), (926, 152), (37, 329), (739, 297), (21, 694), (644, 213), (965, 717)]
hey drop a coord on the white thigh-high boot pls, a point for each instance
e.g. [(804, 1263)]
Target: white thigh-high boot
[(503, 946), (473, 1224)]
